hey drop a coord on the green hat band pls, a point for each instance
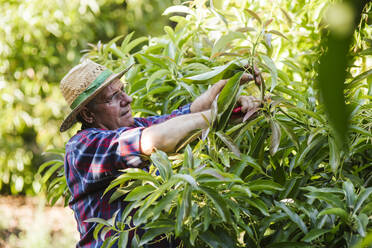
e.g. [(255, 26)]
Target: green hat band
[(91, 88)]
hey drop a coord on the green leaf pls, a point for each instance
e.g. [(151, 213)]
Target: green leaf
[(229, 143), (336, 211), (291, 93), (193, 135), (218, 202), (126, 40), (160, 89), (253, 14), (362, 222), (48, 163), (140, 192), (314, 143), (186, 178), (123, 239), (273, 71), (112, 42), (293, 216), (278, 33), (363, 195), (157, 193), (178, 9), (334, 155), (262, 184), (251, 162), (110, 241), (362, 76), (287, 17), (349, 193), (293, 137), (188, 160), (153, 233), (221, 44), (310, 113), (227, 98), (179, 214), (135, 241), (289, 245), (164, 203), (259, 204), (98, 220), (51, 171), (330, 198), (128, 209), (97, 229), (211, 239), (275, 137), (314, 233), (367, 51), (131, 174), (160, 160), (217, 13), (216, 71), (324, 190), (157, 75), (242, 189), (170, 33), (360, 130)]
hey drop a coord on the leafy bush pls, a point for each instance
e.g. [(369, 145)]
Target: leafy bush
[(283, 179), (39, 41)]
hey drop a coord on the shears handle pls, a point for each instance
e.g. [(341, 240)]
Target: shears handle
[(237, 112)]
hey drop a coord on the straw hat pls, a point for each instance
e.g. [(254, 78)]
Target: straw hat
[(81, 84)]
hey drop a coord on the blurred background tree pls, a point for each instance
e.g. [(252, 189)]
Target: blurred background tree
[(39, 42)]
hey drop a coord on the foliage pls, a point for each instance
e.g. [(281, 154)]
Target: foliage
[(39, 41), (279, 180)]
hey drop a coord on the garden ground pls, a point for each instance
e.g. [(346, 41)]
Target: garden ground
[(28, 222)]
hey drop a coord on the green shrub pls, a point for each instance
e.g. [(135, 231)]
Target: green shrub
[(283, 179)]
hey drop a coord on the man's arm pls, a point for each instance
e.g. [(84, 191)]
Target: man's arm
[(165, 136)]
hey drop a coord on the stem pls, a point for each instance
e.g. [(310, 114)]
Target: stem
[(295, 120), (262, 85)]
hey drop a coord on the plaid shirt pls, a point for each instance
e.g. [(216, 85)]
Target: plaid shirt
[(93, 159)]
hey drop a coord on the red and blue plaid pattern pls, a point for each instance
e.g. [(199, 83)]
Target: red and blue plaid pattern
[(93, 159)]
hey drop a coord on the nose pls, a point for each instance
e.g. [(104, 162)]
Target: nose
[(125, 99)]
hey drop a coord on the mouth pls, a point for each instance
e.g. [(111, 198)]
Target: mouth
[(127, 112)]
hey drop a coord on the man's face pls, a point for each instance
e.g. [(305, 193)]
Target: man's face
[(112, 107)]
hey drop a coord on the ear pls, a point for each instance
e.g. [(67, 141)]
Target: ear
[(87, 115)]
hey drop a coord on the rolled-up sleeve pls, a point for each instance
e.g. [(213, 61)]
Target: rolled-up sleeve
[(130, 146), (96, 154)]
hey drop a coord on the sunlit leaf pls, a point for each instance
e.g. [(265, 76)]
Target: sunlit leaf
[(253, 14), (275, 137), (287, 17), (273, 71), (178, 9), (225, 40)]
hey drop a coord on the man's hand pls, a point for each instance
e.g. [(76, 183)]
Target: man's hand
[(248, 103), (205, 100), (248, 107), (257, 75)]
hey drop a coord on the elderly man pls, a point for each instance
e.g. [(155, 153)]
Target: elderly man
[(111, 139)]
